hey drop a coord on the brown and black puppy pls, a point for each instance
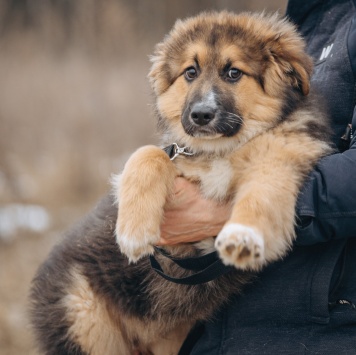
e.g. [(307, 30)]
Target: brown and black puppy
[(234, 90)]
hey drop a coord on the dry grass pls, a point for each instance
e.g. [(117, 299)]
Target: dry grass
[(74, 117), (74, 103)]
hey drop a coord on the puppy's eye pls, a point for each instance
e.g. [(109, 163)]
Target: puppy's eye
[(190, 73), (233, 74)]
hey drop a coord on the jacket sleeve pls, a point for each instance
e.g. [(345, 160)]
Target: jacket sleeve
[(326, 207)]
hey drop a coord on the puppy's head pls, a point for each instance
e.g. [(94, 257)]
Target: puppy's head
[(220, 78)]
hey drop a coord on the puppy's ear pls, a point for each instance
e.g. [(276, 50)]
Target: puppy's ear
[(288, 62), (165, 68), (159, 74)]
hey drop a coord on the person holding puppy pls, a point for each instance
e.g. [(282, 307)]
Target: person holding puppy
[(305, 303)]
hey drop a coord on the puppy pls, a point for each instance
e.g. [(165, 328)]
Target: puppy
[(233, 90)]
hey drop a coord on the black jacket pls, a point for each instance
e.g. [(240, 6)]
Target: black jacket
[(305, 304), (327, 206)]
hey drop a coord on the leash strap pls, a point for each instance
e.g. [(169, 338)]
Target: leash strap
[(192, 263), (211, 272)]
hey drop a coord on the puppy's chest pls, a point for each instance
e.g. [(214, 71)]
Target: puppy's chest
[(214, 176)]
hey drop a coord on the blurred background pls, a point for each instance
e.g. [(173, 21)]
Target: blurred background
[(74, 103)]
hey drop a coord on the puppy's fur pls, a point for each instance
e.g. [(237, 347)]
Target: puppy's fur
[(234, 89)]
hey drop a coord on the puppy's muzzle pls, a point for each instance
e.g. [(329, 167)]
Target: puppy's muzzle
[(201, 114)]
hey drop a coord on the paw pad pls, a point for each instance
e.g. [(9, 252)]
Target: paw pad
[(240, 246)]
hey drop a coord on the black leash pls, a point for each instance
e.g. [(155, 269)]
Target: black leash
[(206, 267), (213, 268)]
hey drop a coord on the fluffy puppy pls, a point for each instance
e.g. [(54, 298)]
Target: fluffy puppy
[(234, 90)]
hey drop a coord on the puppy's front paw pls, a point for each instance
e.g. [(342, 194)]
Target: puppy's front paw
[(240, 246), (136, 244)]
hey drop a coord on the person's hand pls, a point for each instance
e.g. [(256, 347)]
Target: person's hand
[(189, 217)]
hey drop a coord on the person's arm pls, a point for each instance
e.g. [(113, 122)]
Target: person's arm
[(327, 205)]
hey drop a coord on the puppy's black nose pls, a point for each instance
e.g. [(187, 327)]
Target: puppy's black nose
[(202, 115)]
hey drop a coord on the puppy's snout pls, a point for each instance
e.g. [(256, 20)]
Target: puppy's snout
[(202, 114)]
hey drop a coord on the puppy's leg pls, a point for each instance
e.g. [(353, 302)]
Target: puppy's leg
[(91, 324), (261, 226), (146, 181)]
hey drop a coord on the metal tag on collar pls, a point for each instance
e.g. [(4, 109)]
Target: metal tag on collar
[(177, 150)]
